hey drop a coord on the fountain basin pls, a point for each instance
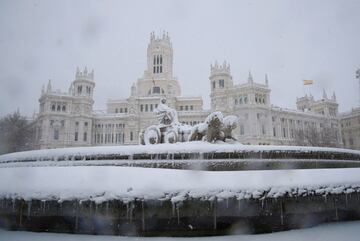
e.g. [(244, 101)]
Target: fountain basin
[(229, 189)]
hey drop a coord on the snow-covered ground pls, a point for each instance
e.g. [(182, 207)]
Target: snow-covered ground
[(104, 183), (188, 147), (330, 232)]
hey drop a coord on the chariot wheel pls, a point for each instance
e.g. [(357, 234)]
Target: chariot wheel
[(152, 135), (171, 136)]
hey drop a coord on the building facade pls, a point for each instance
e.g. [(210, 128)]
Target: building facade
[(68, 119), (350, 128)]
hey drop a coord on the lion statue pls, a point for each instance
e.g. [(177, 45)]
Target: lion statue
[(215, 128)]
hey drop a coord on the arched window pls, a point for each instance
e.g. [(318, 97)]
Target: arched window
[(53, 107), (157, 67), (64, 108), (221, 83), (58, 108)]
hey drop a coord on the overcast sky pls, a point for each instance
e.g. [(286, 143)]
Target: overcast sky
[(288, 40)]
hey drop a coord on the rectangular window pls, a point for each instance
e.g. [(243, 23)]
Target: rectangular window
[(131, 136), (146, 108), (56, 134), (85, 136), (221, 83), (156, 90), (191, 107), (141, 108), (85, 124), (76, 136)]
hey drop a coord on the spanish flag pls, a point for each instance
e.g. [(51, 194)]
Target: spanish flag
[(308, 82)]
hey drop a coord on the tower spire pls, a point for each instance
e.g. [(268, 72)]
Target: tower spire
[(250, 78), (48, 89), (324, 94), (266, 80)]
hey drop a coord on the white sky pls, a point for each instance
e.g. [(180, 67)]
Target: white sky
[(289, 40)]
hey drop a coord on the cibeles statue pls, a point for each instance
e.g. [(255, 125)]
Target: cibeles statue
[(170, 130), (165, 114)]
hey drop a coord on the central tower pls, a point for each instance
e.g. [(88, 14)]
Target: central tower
[(158, 79), (160, 56)]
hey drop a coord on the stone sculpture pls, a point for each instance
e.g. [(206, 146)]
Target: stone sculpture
[(170, 130)]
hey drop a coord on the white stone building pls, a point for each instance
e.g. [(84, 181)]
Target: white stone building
[(350, 128), (68, 119)]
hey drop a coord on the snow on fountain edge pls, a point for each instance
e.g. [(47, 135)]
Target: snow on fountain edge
[(188, 147), (101, 184)]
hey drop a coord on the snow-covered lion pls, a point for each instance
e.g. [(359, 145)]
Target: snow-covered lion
[(215, 128)]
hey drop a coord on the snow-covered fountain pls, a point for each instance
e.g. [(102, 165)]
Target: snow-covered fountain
[(182, 181)]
